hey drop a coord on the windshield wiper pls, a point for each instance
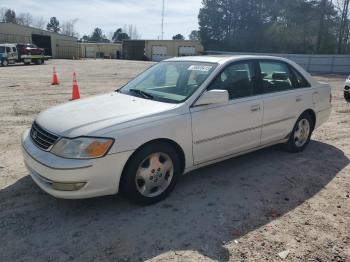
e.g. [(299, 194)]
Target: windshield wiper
[(142, 93)]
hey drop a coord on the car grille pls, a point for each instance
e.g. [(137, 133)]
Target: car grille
[(42, 138)]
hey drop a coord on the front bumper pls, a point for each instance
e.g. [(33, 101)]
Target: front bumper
[(99, 176)]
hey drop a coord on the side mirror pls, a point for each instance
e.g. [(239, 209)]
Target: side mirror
[(213, 97)]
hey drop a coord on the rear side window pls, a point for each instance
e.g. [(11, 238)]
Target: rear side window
[(300, 81), (276, 76)]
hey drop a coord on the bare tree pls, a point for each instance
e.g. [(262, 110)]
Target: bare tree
[(39, 22), (25, 19), (2, 14), (132, 31), (67, 28), (110, 36)]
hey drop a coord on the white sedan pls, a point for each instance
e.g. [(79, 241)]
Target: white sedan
[(177, 116), (347, 89)]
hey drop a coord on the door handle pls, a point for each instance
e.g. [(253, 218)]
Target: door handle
[(255, 108), (298, 98)]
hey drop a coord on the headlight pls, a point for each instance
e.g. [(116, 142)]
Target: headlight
[(82, 147)]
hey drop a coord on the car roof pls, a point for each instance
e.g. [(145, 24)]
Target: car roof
[(221, 59)]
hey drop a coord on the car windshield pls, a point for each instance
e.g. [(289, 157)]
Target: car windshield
[(2, 49), (171, 82)]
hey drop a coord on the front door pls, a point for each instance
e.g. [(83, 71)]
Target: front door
[(225, 129), (11, 54)]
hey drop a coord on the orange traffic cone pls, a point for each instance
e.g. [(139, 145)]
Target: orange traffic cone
[(75, 91), (55, 78)]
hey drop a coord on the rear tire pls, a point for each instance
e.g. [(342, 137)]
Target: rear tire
[(301, 134), (151, 174)]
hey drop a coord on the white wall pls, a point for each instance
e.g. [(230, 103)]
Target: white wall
[(311, 63)]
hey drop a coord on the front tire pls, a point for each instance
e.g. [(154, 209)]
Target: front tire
[(301, 134), (151, 174), (347, 95), (4, 62)]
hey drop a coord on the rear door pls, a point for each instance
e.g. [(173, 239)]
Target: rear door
[(14, 54), (282, 100)]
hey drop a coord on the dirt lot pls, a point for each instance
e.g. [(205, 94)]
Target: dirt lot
[(246, 209)]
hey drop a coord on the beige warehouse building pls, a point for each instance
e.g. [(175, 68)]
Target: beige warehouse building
[(55, 45), (100, 50), (158, 50)]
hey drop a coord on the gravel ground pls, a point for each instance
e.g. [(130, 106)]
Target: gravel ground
[(249, 208)]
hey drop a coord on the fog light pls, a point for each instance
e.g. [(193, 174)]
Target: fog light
[(67, 186)]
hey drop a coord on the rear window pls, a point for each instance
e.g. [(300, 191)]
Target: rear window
[(301, 82), (276, 76)]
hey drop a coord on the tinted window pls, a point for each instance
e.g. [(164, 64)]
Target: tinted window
[(237, 79), (276, 77), (300, 80)]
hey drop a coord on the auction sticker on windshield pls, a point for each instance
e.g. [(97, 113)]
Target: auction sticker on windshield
[(200, 68)]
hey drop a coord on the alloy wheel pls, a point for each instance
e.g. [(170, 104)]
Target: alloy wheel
[(302, 132), (154, 174)]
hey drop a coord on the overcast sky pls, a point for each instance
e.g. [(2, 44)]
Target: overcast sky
[(181, 16)]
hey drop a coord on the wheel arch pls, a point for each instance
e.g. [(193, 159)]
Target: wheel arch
[(312, 113), (168, 141)]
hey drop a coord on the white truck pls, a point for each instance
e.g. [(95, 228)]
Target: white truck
[(21, 53)]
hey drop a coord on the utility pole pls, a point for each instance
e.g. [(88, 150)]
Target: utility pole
[(162, 21)]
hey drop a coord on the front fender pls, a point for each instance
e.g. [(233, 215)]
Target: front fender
[(177, 128)]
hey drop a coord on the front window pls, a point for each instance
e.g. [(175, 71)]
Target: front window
[(238, 79), (172, 82)]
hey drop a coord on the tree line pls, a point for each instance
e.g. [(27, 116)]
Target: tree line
[(26, 19), (281, 26), (68, 27)]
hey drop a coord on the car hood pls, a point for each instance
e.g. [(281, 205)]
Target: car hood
[(90, 116)]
